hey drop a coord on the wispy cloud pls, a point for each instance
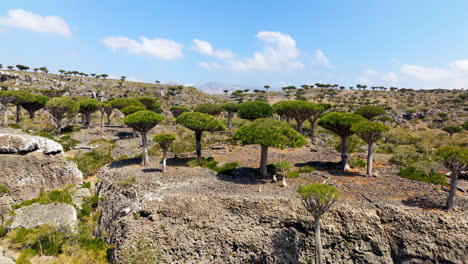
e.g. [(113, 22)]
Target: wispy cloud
[(280, 53), (20, 18), (164, 49), (321, 59), (209, 65), (204, 47)]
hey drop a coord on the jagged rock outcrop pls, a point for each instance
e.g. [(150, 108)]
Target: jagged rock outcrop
[(192, 215), (60, 215), (13, 141), (27, 168)]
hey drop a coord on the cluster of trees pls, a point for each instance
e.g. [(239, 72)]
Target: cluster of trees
[(144, 113)]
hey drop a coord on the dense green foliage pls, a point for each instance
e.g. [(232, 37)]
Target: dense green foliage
[(323, 192), (270, 133), (34, 103), (254, 109), (453, 156), (211, 109), (369, 131), (340, 123), (370, 111), (178, 110), (131, 109), (143, 121), (200, 122), (163, 138), (60, 105), (413, 173), (121, 103), (452, 129), (230, 107), (88, 106)]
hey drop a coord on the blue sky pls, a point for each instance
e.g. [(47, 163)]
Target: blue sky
[(413, 44)]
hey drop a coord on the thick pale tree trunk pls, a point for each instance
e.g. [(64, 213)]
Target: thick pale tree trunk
[(102, 124), (18, 113), (300, 126), (453, 189), (370, 154), (198, 138), (318, 241), (263, 161), (164, 157), (5, 115), (229, 120), (344, 154), (58, 124), (145, 148)]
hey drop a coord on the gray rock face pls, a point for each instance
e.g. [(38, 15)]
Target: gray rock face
[(25, 175), (14, 141), (57, 214), (79, 195), (6, 260), (194, 216)]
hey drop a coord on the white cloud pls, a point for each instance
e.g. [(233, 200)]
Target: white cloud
[(321, 59), (204, 47), (280, 53), (370, 72), (20, 18), (460, 65), (364, 80), (368, 75), (209, 65), (165, 49), (426, 73), (390, 77)]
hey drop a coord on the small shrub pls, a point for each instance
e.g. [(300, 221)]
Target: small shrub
[(228, 167), (86, 185), (293, 174), (130, 181), (415, 174), (89, 163), (3, 189), (357, 163), (306, 169), (68, 142), (54, 196)]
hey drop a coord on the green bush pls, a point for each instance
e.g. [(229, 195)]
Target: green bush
[(357, 163), (3, 189), (128, 182), (54, 196), (293, 174), (228, 167), (306, 169), (90, 162), (68, 142), (419, 175)]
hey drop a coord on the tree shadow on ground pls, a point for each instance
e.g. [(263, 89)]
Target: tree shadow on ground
[(243, 175), (124, 135), (423, 202), (178, 161), (125, 162), (320, 165), (149, 170)]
